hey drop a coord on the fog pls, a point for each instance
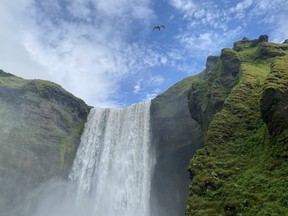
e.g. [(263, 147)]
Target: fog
[(114, 174), (54, 198), (111, 174)]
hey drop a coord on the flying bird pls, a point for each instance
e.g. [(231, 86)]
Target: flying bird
[(158, 27)]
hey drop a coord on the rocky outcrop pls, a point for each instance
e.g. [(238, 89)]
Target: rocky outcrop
[(267, 50), (176, 137), (242, 169), (274, 104), (263, 38), (230, 62), (211, 62), (246, 43), (207, 95), (40, 130)]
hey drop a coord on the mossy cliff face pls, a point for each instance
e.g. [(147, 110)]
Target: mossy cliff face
[(175, 137), (40, 130), (243, 168), (274, 106), (207, 95)]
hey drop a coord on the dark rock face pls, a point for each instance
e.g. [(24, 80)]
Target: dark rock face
[(211, 62), (246, 43), (4, 74), (230, 61), (40, 130), (274, 105), (267, 50), (176, 137), (263, 38), (207, 95)]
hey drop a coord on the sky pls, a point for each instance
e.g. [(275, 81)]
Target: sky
[(106, 52)]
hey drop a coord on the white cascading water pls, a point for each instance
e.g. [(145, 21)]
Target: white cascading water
[(114, 161)]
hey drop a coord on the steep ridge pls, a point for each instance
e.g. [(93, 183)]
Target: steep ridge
[(274, 107), (176, 137), (243, 168), (40, 131)]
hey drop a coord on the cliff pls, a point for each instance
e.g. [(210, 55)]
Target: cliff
[(176, 136), (40, 130), (241, 106), (232, 117)]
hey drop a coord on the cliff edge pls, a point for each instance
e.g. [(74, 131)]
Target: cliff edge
[(40, 131), (241, 106)]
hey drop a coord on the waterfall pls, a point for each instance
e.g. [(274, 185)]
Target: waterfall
[(113, 165)]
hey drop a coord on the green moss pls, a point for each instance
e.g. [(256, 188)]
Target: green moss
[(278, 78), (67, 148), (12, 82), (206, 96), (40, 130), (274, 98), (248, 55), (269, 50), (242, 170)]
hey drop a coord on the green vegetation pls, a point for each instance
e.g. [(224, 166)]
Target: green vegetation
[(206, 96), (243, 168), (278, 77), (44, 120), (11, 81), (40, 131)]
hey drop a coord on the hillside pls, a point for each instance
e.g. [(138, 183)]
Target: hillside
[(40, 130), (241, 105)]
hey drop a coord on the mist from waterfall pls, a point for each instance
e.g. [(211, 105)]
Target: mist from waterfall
[(111, 174)]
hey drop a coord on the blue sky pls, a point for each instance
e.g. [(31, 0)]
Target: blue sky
[(105, 51)]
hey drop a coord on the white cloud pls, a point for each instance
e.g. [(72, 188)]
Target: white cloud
[(89, 46), (150, 95), (81, 45), (241, 6), (14, 57), (143, 86), (187, 7), (212, 25), (209, 42), (280, 31), (155, 80), (137, 87)]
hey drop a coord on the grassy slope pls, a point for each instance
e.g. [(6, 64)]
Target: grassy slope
[(236, 173)]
